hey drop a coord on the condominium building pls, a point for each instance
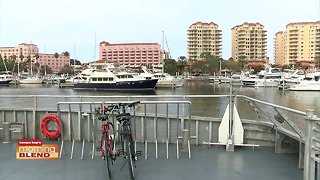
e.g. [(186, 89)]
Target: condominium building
[(299, 42), (279, 48), (204, 38), (22, 51), (131, 54), (249, 42)]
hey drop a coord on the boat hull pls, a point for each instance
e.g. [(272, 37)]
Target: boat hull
[(125, 85), (170, 84), (5, 82)]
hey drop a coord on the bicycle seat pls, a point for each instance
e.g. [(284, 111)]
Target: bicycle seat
[(123, 116)]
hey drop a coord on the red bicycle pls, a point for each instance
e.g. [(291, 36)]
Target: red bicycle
[(108, 152), (107, 142)]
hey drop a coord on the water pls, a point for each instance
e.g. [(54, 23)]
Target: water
[(296, 100)]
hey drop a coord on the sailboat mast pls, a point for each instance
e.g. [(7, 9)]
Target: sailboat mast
[(45, 67), (162, 52), (74, 58), (30, 59), (95, 44)]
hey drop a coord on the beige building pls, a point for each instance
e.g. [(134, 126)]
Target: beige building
[(204, 38), (249, 41), (299, 42), (279, 48), (31, 50)]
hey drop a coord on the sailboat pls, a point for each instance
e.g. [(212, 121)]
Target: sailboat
[(30, 79), (5, 77), (165, 80)]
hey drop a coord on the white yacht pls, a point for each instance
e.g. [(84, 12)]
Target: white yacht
[(311, 83), (76, 79), (104, 79), (269, 77), (5, 79), (30, 80), (166, 80)]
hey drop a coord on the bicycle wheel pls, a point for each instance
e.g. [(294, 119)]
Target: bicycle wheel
[(107, 154), (131, 156)]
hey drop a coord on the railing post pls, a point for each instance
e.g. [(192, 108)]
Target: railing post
[(230, 143), (6, 132), (185, 139), (309, 163)]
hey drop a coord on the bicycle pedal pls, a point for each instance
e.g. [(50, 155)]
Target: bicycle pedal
[(139, 153)]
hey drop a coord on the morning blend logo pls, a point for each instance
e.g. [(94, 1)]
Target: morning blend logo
[(31, 149)]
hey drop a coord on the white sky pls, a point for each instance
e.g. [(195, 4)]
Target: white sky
[(61, 25)]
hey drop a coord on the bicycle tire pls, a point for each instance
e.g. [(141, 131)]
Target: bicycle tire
[(130, 156), (107, 155)]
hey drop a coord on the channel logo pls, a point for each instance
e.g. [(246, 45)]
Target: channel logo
[(32, 149)]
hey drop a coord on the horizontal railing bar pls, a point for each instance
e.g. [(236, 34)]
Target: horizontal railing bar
[(141, 96), (115, 102), (274, 105)]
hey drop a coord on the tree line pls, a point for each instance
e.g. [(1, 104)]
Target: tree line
[(211, 64)]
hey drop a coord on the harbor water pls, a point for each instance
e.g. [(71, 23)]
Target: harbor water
[(300, 100)]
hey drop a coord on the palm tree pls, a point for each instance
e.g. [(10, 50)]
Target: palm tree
[(182, 65), (67, 54), (56, 55), (37, 65), (21, 59)]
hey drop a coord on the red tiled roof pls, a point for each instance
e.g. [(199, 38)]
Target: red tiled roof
[(302, 23), (203, 24), (247, 24)]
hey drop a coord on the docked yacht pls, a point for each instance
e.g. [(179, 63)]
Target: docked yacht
[(5, 79), (311, 83), (166, 80), (269, 77), (30, 80), (76, 79), (104, 79)]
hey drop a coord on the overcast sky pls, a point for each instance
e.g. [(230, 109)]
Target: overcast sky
[(79, 25)]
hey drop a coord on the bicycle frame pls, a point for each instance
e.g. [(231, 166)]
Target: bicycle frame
[(105, 133), (125, 136)]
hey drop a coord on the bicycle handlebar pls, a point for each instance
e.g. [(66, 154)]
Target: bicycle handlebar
[(111, 108), (129, 104)]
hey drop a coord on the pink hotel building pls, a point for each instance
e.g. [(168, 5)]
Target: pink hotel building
[(130, 54), (25, 50)]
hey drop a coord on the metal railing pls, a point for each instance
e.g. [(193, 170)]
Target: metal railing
[(312, 147), (148, 127), (161, 122)]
